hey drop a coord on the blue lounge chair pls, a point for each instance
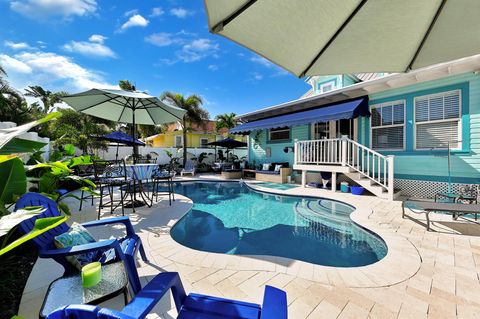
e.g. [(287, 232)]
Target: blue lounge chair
[(188, 169), (126, 248), (193, 306)]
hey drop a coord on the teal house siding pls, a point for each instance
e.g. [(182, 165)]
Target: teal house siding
[(347, 80), (258, 150), (432, 164)]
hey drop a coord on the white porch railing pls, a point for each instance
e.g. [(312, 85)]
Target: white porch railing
[(346, 152)]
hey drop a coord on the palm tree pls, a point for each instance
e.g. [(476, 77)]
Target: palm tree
[(195, 113), (126, 85), (47, 98), (227, 120)]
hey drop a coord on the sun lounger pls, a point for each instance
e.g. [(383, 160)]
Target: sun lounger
[(427, 207)]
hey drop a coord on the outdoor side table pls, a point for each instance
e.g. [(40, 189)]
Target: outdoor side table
[(68, 290)]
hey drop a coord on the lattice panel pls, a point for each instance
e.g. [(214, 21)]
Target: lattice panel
[(428, 189)]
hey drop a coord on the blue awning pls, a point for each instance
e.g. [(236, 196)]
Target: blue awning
[(339, 111)]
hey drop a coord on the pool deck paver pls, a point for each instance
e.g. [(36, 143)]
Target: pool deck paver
[(424, 275)]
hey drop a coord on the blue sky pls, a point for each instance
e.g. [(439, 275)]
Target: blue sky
[(74, 45)]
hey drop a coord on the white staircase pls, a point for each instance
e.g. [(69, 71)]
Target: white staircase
[(364, 166)]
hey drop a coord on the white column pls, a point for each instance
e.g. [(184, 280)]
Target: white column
[(304, 178), (295, 152), (334, 181), (391, 180), (344, 150)]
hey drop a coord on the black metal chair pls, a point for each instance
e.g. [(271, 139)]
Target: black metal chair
[(163, 174), (85, 171), (111, 174)]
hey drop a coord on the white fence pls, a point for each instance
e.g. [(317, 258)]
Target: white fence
[(161, 155)]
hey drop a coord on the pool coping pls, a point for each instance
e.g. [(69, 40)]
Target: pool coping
[(401, 262)]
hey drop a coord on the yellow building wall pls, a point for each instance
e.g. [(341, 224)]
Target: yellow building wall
[(193, 139)]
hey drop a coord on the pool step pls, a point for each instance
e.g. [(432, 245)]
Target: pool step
[(320, 216)]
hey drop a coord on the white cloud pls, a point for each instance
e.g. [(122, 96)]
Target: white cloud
[(262, 61), (162, 39), (213, 67), (42, 9), (42, 44), (134, 21), (18, 45), (180, 12), (97, 38), (90, 49), (131, 12), (197, 50), (55, 70), (190, 49), (14, 65), (156, 12), (257, 76)]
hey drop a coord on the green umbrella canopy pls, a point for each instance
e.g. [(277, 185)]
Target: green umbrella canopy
[(124, 106), (321, 37)]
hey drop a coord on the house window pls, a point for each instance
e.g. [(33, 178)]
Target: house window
[(388, 126), (438, 121), (326, 87), (203, 142), (321, 130), (279, 134), (178, 141)]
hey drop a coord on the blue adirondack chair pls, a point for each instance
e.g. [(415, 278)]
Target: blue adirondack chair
[(126, 248), (193, 306)]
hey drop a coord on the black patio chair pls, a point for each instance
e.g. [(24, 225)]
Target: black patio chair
[(85, 171), (163, 174), (112, 174)]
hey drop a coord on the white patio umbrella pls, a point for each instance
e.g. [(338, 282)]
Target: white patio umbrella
[(124, 107), (320, 37)]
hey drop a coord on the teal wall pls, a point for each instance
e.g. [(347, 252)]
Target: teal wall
[(427, 164), (347, 81), (336, 79), (258, 153), (409, 164)]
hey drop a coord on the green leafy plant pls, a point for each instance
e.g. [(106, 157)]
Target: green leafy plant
[(13, 183), (60, 175), (174, 164)]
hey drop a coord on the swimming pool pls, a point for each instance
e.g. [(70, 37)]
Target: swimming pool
[(231, 218)]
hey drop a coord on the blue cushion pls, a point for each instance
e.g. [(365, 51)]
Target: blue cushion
[(269, 172), (109, 255), (61, 192), (77, 235)]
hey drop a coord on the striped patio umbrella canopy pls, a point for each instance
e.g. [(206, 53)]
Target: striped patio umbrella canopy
[(320, 37), (124, 106)]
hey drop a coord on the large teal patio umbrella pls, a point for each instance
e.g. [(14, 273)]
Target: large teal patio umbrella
[(125, 107), (320, 37)]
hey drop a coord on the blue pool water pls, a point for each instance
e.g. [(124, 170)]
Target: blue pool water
[(231, 218)]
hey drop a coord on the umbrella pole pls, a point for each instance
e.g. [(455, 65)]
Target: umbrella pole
[(133, 133), (116, 155)]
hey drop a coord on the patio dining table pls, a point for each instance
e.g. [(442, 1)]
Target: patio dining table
[(140, 173)]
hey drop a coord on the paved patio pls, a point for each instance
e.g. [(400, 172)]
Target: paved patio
[(424, 275)]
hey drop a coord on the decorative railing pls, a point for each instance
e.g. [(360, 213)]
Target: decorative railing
[(346, 152)]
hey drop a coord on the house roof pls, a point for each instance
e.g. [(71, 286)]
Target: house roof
[(373, 85)]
